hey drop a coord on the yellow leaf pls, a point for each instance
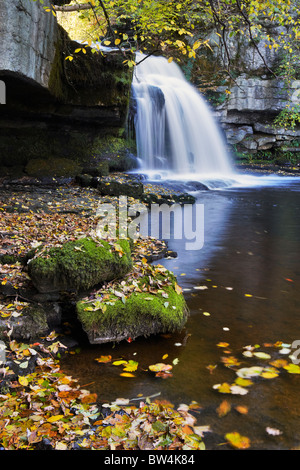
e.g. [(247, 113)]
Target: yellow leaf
[(127, 374), (170, 59), (54, 418), (178, 289), (23, 380), (118, 363), (196, 45), (107, 43), (237, 441), (117, 41)]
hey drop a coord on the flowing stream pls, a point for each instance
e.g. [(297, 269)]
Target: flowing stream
[(242, 286)]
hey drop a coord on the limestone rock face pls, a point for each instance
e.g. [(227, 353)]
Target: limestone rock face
[(30, 34)]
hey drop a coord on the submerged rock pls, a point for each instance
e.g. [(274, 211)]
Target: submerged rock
[(79, 265)]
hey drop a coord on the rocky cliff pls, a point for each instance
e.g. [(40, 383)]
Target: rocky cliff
[(56, 109), (247, 104), (28, 37)]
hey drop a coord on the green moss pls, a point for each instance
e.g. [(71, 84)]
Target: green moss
[(139, 314), (79, 265)]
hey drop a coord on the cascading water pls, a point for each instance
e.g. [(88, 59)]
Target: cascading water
[(175, 130)]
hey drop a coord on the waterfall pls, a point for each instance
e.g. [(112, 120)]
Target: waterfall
[(175, 130)]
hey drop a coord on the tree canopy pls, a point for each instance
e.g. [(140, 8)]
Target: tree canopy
[(178, 28)]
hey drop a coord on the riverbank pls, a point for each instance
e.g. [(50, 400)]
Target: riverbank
[(41, 407)]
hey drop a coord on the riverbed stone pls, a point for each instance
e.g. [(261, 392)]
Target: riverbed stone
[(79, 265)]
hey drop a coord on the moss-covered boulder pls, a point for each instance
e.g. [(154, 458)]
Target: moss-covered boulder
[(149, 305), (79, 265)]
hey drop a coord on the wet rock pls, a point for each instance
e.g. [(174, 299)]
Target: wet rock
[(28, 326), (115, 188)]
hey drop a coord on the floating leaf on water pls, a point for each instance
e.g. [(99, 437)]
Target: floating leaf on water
[(279, 363), (242, 409), (222, 388), (243, 382), (262, 355), (269, 373), (119, 363), (127, 374), (103, 359), (285, 351), (237, 390), (273, 431), (131, 366), (159, 367), (223, 409), (223, 345), (206, 314), (230, 361), (237, 441), (246, 372), (292, 368), (247, 354)]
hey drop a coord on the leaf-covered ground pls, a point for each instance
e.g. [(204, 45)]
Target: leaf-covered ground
[(41, 407)]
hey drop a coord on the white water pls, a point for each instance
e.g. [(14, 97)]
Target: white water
[(175, 130), (177, 137)]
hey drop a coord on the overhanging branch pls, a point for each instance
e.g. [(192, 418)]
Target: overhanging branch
[(77, 7)]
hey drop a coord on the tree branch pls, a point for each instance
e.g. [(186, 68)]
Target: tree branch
[(68, 8), (251, 37)]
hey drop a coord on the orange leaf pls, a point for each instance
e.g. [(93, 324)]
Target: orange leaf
[(223, 409), (187, 429), (90, 398), (242, 409), (103, 359)]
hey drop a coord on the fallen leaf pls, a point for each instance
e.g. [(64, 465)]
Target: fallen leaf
[(103, 359), (159, 367), (223, 409), (292, 368), (273, 431), (237, 441), (242, 409)]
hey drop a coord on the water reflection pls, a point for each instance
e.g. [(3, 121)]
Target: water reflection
[(248, 275)]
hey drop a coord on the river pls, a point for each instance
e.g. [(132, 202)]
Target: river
[(242, 288)]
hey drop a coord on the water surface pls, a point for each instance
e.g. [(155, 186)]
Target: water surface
[(248, 270)]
